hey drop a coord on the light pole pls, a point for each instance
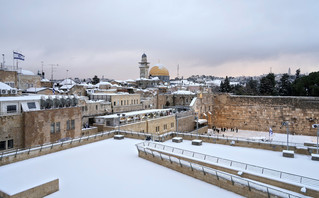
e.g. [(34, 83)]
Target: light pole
[(286, 123), (316, 126), (119, 115), (197, 125)]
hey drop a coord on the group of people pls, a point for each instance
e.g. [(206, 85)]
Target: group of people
[(223, 129)]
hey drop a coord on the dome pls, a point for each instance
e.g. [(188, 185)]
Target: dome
[(143, 55), (159, 70)]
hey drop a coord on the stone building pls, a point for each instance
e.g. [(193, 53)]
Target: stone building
[(154, 121), (92, 108), (33, 120), (120, 102), (160, 72), (144, 66)]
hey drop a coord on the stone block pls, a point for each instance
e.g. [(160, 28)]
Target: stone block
[(288, 153), (197, 142), (118, 137), (177, 139), (315, 157)]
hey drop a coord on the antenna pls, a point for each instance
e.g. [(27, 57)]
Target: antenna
[(177, 70), (52, 69), (270, 69)]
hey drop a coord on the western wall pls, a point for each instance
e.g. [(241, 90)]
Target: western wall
[(259, 113)]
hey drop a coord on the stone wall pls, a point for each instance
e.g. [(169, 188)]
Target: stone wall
[(186, 124), (37, 191), (11, 128), (27, 81), (9, 76), (261, 112), (38, 125)]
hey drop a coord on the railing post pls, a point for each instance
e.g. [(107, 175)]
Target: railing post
[(231, 179), (41, 147), (203, 170), (16, 153), (161, 156), (248, 186), (191, 166), (152, 153), (180, 162), (268, 192), (52, 146)]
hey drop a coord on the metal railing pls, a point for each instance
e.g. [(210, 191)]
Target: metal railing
[(218, 174), (237, 165), (161, 137), (239, 139)]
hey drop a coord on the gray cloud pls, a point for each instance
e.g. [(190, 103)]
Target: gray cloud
[(108, 37)]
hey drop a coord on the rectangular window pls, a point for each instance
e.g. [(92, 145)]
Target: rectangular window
[(114, 103), (172, 124), (72, 124), (82, 108), (2, 145), (57, 127), (11, 108), (124, 102), (96, 107), (157, 129), (10, 144), (165, 126), (31, 105), (52, 128), (68, 125)]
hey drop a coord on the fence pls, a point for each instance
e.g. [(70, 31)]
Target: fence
[(218, 174), (238, 165)]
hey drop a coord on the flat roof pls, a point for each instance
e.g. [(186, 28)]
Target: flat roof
[(134, 113)]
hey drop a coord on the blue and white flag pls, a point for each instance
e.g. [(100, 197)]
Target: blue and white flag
[(18, 56), (53, 91), (270, 131)]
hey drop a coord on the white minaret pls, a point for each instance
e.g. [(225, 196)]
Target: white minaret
[(144, 67)]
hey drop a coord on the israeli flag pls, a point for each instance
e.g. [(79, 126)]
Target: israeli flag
[(18, 56), (270, 131), (53, 91)]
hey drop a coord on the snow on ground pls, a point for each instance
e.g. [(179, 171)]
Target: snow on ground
[(300, 165), (109, 168), (265, 135)]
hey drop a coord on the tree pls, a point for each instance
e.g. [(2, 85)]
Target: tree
[(225, 86), (307, 85), (285, 86), (251, 87), (297, 73), (95, 80), (268, 85)]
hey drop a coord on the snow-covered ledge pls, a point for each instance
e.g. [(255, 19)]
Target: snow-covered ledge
[(288, 153), (118, 137), (315, 157), (177, 139), (197, 142)]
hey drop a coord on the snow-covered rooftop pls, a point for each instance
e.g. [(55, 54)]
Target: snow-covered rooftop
[(109, 168), (27, 72), (5, 86), (183, 92), (133, 113)]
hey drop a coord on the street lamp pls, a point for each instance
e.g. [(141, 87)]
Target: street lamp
[(317, 127), (197, 125), (119, 115), (286, 123)]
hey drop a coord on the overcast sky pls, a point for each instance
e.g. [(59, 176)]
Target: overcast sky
[(211, 37)]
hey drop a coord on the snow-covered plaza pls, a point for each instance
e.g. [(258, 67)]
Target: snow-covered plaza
[(112, 168)]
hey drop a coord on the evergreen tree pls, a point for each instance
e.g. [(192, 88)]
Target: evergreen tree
[(95, 80), (307, 85), (251, 87), (225, 86), (285, 86), (268, 85)]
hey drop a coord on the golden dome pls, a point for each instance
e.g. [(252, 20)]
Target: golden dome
[(159, 70)]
